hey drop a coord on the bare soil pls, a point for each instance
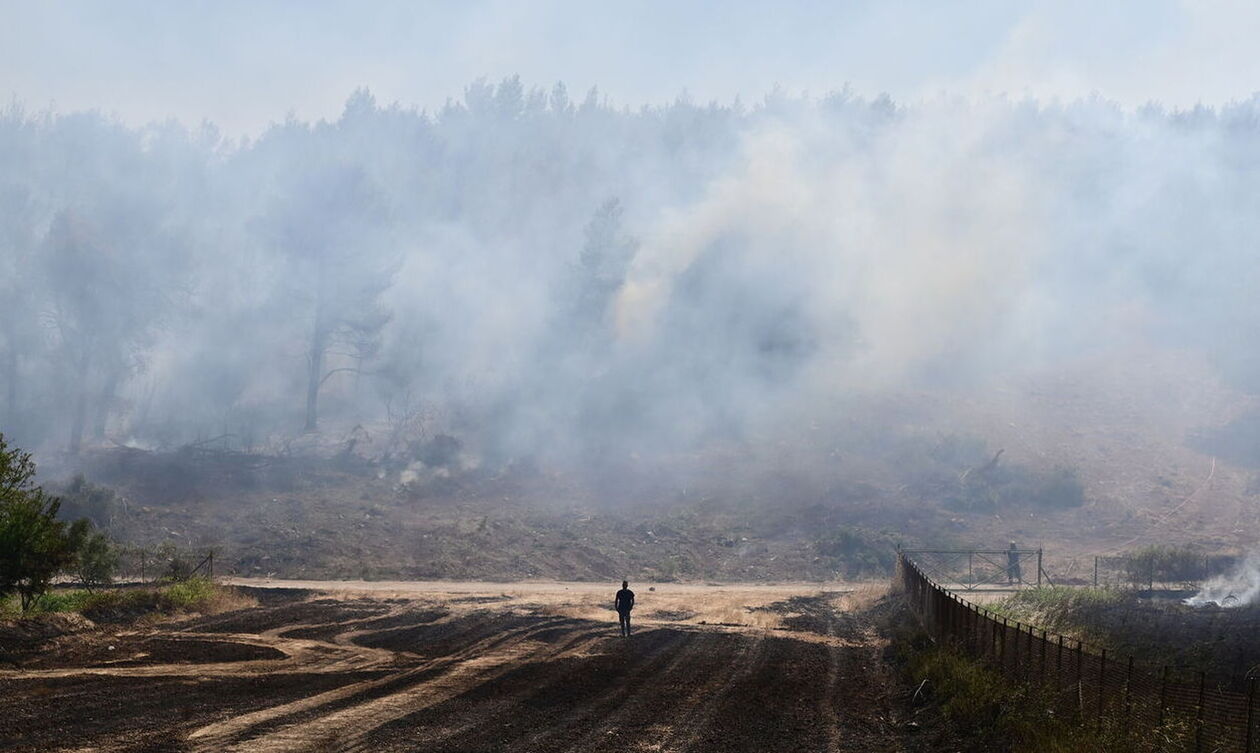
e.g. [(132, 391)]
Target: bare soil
[(462, 667)]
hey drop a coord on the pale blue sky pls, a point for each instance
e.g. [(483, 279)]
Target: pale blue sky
[(242, 64)]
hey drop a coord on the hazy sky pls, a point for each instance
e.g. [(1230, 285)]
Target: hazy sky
[(245, 63)]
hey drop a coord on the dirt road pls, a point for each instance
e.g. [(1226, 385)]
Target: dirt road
[(474, 668)]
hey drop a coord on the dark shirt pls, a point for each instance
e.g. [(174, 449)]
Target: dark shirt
[(625, 600)]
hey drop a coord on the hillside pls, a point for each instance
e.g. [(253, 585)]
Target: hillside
[(829, 502)]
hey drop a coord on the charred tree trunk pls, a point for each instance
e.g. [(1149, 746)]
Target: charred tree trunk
[(319, 343), (79, 418), (101, 417), (314, 376)]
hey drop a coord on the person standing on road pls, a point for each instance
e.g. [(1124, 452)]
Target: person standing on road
[(624, 603)]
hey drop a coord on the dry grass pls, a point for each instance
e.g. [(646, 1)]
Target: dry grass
[(736, 605), (863, 596), (225, 599)]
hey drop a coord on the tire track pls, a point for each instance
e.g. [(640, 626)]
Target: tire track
[(219, 733), (400, 694), (696, 717), (663, 665), (300, 657)]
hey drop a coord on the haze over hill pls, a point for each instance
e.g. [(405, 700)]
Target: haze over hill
[(845, 299)]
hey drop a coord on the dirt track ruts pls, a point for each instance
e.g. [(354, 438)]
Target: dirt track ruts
[(403, 675)]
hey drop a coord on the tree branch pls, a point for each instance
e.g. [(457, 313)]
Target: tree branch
[(343, 368)]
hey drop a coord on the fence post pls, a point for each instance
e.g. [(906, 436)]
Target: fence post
[(1080, 685), (1163, 693), (1019, 632), (942, 615), (1041, 669), (211, 564), (960, 620), (1251, 704), (1023, 668), (1095, 571), (1198, 715), (1039, 567), (142, 565), (1002, 647), (1102, 684), (971, 631), (984, 634), (977, 629), (1128, 681), (1029, 652)]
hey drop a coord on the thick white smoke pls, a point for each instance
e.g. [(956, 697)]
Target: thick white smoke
[(1238, 588), (564, 279)]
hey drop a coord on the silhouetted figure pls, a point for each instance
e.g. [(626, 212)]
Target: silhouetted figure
[(1013, 575), (624, 603)]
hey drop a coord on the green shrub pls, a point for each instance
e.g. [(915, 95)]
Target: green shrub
[(34, 545), (856, 551), (95, 556), (993, 485), (1060, 488), (81, 498), (189, 595), (192, 595), (64, 601), (1173, 564)]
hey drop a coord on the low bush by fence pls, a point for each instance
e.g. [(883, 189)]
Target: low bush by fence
[(1197, 712), (1175, 567)]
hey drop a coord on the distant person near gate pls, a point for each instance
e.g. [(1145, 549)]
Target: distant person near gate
[(1013, 574)]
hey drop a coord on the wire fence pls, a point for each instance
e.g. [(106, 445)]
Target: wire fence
[(162, 563), (1191, 710), (981, 569)]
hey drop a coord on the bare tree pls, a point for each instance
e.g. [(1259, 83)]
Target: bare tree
[(330, 228), (104, 304)]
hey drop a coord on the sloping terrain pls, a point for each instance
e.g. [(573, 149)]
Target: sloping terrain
[(1106, 454)]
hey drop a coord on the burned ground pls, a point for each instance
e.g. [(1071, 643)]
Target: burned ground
[(138, 650), (456, 673)]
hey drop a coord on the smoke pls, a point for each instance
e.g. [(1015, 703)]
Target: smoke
[(1238, 588), (566, 281), (875, 235)]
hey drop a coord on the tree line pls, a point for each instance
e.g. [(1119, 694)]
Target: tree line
[(493, 261)]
